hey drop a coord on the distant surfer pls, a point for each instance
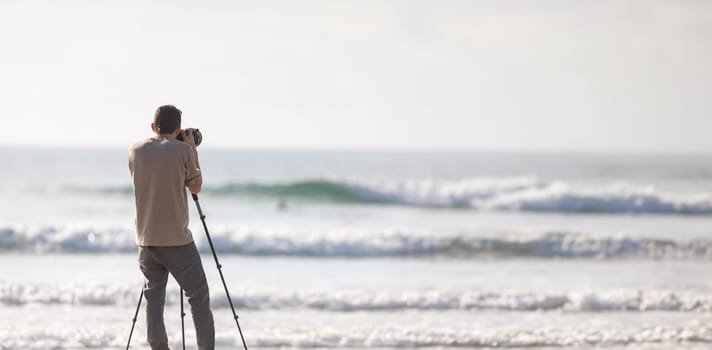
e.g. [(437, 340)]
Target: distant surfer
[(161, 168), (282, 204)]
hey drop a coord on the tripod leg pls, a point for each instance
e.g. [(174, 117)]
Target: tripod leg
[(182, 319), (217, 263), (134, 319)]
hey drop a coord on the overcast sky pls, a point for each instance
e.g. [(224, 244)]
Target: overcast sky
[(507, 75)]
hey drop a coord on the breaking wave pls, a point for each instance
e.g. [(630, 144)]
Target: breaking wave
[(389, 242), (18, 294), (505, 194)]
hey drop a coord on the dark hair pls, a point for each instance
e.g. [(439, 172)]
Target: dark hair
[(167, 119)]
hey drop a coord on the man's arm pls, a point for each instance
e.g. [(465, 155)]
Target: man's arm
[(130, 158), (193, 175)]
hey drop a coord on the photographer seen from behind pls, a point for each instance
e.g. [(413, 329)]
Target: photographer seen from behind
[(161, 168)]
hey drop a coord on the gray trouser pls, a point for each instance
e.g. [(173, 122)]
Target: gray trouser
[(183, 262)]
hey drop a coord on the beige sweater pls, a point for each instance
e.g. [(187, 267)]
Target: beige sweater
[(161, 168)]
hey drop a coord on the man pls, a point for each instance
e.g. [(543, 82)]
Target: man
[(161, 168)]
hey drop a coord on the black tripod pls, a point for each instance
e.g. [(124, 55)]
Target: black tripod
[(222, 278)]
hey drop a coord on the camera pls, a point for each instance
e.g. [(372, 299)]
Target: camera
[(197, 136)]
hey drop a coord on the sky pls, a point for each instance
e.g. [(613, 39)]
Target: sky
[(539, 75)]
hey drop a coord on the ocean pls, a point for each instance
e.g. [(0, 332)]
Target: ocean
[(373, 249)]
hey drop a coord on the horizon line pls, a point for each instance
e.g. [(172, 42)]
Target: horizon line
[(532, 151)]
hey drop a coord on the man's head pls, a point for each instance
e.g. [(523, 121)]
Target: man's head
[(166, 120)]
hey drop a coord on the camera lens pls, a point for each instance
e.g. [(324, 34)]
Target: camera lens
[(197, 137)]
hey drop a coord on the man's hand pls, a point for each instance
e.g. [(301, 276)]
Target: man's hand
[(187, 135)]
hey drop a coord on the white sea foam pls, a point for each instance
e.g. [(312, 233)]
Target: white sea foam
[(408, 337), (355, 242), (16, 294), (380, 338)]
